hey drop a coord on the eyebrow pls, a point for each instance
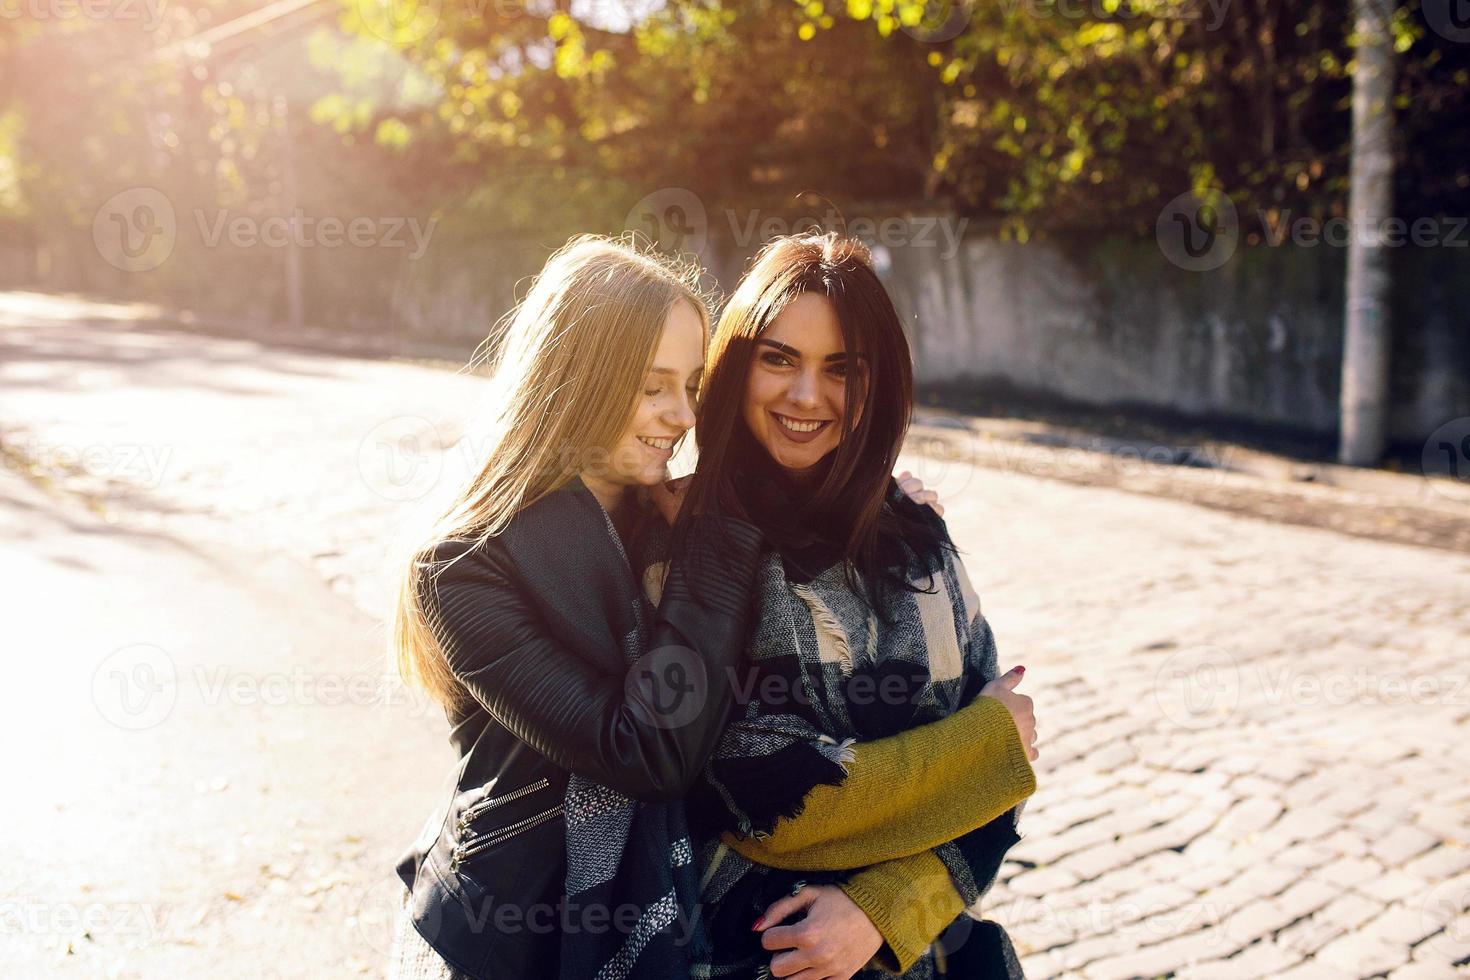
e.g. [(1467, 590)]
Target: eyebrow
[(793, 352), (673, 372)]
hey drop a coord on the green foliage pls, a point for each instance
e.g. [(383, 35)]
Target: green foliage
[(1041, 115)]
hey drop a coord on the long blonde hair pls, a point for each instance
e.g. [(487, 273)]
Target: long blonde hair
[(566, 378)]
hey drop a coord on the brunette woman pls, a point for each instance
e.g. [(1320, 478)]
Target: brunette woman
[(867, 627)]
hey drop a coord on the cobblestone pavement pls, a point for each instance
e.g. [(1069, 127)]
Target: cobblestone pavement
[(1252, 733), (1251, 738)]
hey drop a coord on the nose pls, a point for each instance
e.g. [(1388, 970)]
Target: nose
[(681, 414), (804, 390)]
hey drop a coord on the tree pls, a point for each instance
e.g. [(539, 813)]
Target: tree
[(1366, 341)]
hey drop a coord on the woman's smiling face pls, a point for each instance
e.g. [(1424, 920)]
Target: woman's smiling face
[(796, 393), (663, 412)]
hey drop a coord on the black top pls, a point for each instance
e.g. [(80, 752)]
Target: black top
[(534, 624)]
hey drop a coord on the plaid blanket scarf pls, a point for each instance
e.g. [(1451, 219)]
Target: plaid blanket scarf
[(623, 855), (825, 670)]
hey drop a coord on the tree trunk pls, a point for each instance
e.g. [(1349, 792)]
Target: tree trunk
[(1364, 406), (295, 305)]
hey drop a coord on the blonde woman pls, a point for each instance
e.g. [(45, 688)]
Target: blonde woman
[(581, 714), (563, 848)]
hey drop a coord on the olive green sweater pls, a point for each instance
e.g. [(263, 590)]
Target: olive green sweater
[(903, 796)]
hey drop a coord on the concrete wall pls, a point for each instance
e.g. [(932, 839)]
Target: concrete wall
[(1096, 322), (1114, 322)]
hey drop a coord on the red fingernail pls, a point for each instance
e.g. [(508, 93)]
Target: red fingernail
[(1020, 670), (758, 923)]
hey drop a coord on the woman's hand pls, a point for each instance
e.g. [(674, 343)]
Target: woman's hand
[(1003, 689), (914, 487), (669, 496), (834, 940)]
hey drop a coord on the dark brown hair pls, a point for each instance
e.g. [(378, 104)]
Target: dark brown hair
[(852, 491)]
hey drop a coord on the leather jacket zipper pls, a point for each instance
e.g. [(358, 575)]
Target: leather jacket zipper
[(469, 848), (491, 802)]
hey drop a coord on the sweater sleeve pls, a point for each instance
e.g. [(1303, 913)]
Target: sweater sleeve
[(905, 794), (911, 901)]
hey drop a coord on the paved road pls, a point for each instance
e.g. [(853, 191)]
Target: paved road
[(203, 774), (1252, 732)]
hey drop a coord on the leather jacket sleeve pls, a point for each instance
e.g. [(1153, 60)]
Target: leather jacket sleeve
[(646, 732)]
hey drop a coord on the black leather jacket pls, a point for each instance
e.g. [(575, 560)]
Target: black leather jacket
[(532, 623)]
